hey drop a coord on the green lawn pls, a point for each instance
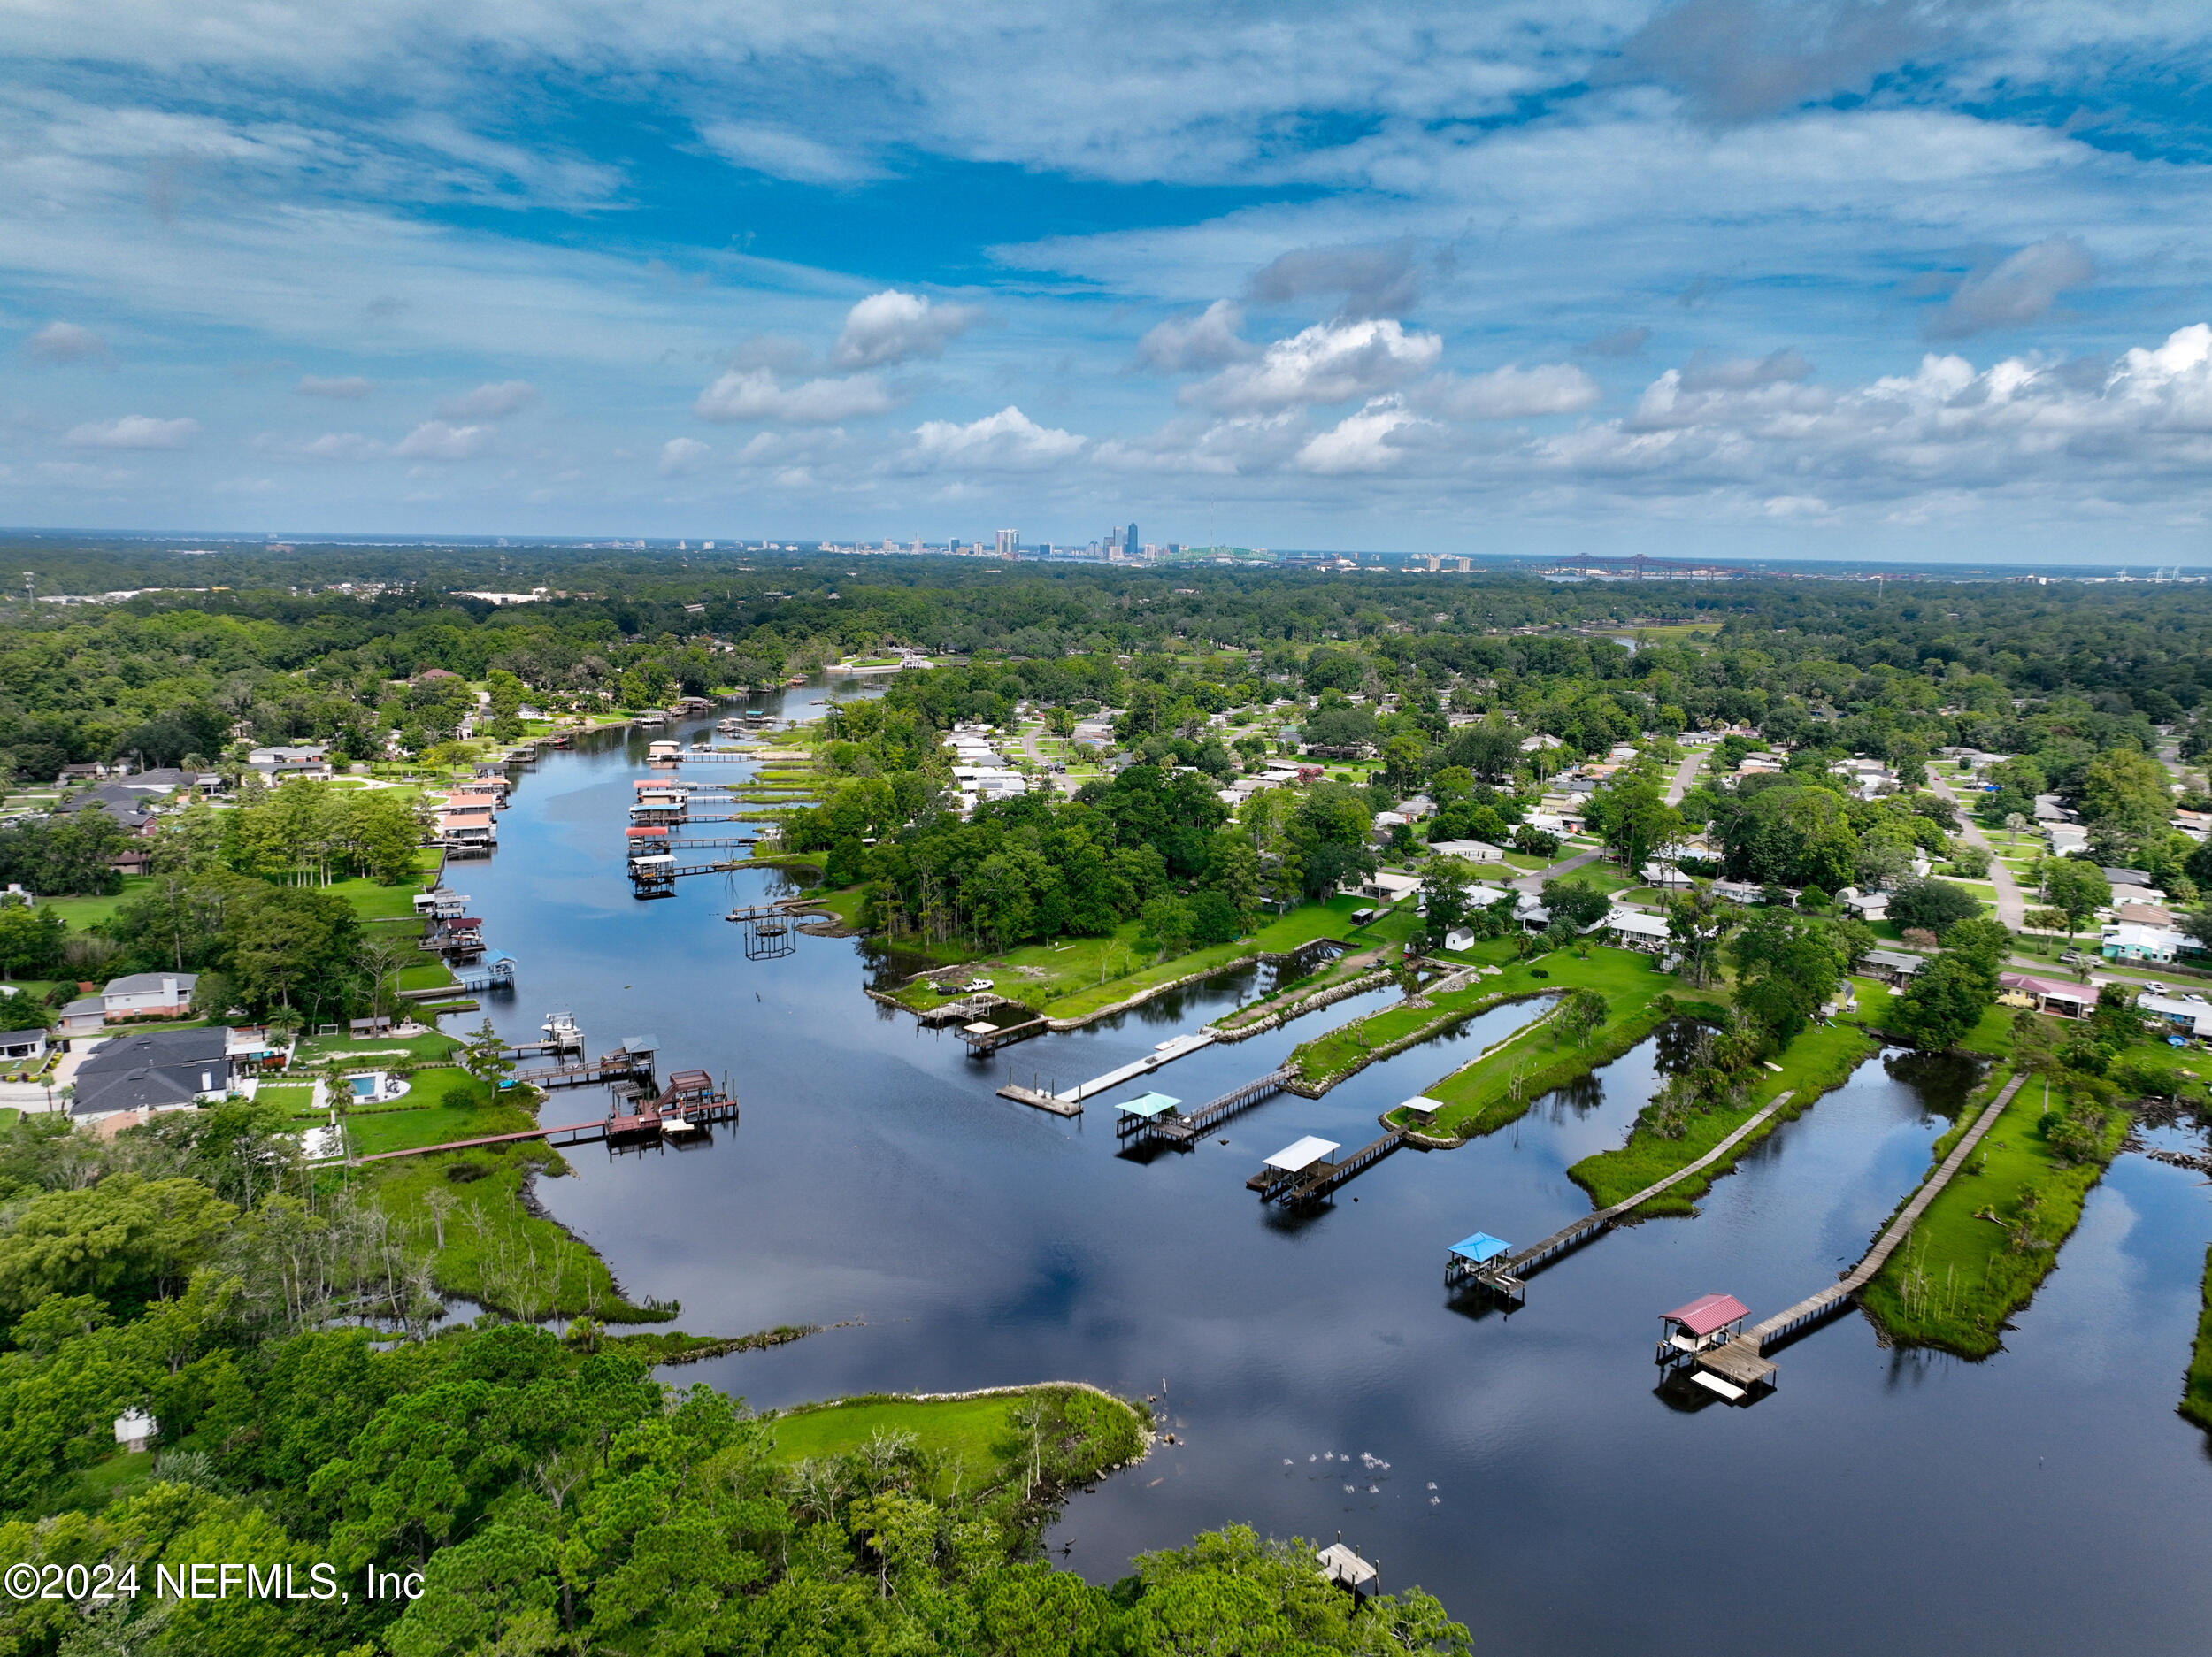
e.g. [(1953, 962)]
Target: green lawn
[(972, 1440), (1624, 978), (1079, 976), (961, 1429), (496, 1252), (1818, 1061), (83, 912), (2196, 1397), (1959, 1275), (374, 901), (428, 975), (431, 1121), (429, 1046)]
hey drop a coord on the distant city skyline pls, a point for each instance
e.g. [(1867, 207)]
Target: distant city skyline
[(1708, 279)]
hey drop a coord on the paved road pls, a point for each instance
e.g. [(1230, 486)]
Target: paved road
[(1534, 882), (1683, 773), (2012, 908)]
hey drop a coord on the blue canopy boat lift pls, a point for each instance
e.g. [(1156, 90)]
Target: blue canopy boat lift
[(1481, 1257), (1145, 1111)]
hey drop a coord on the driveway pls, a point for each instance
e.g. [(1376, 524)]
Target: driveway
[(1683, 773), (2012, 906)]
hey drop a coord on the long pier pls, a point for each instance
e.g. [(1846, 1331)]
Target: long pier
[(1743, 1360), (649, 1119), (1192, 1126), (1505, 1274)]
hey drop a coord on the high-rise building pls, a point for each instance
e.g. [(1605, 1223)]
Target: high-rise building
[(1130, 544), (1010, 542)]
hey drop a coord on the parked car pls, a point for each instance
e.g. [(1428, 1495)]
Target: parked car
[(973, 985)]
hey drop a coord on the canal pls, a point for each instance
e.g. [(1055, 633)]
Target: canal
[(1523, 1467)]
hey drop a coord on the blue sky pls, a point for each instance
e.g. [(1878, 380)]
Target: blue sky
[(1829, 278)]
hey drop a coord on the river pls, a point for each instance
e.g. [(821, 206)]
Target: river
[(2048, 1499)]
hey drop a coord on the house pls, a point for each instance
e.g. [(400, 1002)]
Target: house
[(2124, 940), (1385, 824), (2047, 995), (1665, 875), (2184, 1015), (1738, 891), (1637, 929), (1866, 906), (1386, 886), (148, 995), (2050, 808), (164, 1069), (84, 1016), (1480, 895), (281, 764), (2141, 914), (1473, 851), (2127, 876), (1891, 966), (18, 1045), (2066, 838), (1564, 822)]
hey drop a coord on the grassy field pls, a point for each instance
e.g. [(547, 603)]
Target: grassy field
[(971, 1438), (2196, 1395), (1624, 978), (429, 1046), (1081, 975), (422, 1116), (497, 1253), (1960, 1275), (83, 912), (1818, 1061), (1500, 1088)]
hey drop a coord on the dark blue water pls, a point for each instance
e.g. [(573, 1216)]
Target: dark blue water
[(2047, 1501)]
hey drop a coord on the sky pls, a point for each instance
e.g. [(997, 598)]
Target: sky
[(1822, 278)]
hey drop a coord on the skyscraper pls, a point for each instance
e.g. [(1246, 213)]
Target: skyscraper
[(1130, 544), (1010, 542)]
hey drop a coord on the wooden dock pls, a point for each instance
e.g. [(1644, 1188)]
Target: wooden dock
[(617, 1066), (1041, 1098), (1506, 1276), (1311, 1184), (1743, 1360), (1166, 1053), (1190, 1126), (672, 1117)]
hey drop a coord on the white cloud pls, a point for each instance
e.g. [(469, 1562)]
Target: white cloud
[(345, 388), (893, 327), (492, 401), (1327, 363), (1509, 393), (1009, 441), (340, 446), (132, 431), (438, 440), (782, 153), (65, 342), (2020, 290), (679, 455), (1210, 340), (754, 395), (1363, 441)]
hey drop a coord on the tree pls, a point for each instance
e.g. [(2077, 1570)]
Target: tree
[(484, 1055), (1635, 821), (1581, 1016), (1792, 835), (1576, 902), (1934, 904), (2075, 889), (1786, 967), (124, 1240), (1698, 921), (1943, 1003), (2124, 790), (30, 939), (1444, 897), (289, 944)]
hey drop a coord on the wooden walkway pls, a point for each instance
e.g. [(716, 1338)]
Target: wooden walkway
[(1820, 1303), (1507, 1274), (648, 1119), (1191, 1125), (608, 1067), (1316, 1183)]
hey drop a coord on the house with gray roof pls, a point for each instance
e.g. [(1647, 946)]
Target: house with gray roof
[(161, 1069)]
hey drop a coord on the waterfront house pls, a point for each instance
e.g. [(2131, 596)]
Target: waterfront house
[(2183, 1014), (1891, 966), (164, 1069), (2055, 996), (1637, 929)]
